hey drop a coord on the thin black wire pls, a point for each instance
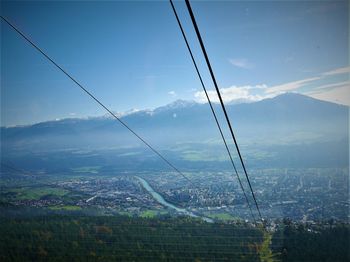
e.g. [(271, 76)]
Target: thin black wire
[(211, 107), (94, 98), (221, 101)]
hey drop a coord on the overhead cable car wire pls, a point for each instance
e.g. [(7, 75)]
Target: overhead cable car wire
[(221, 101), (211, 107), (94, 98)]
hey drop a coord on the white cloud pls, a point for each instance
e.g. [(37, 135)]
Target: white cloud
[(340, 95), (337, 92), (333, 85), (290, 86), (172, 93), (233, 93), (192, 90), (337, 71), (241, 63)]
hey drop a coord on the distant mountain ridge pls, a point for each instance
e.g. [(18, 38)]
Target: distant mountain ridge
[(277, 117), (287, 130), (284, 100)]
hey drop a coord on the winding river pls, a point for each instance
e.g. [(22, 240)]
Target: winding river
[(163, 202)]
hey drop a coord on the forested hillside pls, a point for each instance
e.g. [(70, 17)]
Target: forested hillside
[(122, 238)]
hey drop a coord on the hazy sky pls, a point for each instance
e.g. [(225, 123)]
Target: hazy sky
[(132, 55)]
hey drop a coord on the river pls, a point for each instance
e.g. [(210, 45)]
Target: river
[(163, 202)]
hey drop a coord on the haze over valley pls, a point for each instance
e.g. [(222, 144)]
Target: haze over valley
[(295, 148)]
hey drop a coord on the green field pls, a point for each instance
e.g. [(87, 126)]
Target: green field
[(149, 214), (30, 193), (221, 216), (152, 213), (66, 208), (191, 155), (87, 169)]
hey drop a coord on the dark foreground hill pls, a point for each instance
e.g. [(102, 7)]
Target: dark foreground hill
[(125, 239), (79, 238)]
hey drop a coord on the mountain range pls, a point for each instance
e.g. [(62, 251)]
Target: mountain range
[(286, 121)]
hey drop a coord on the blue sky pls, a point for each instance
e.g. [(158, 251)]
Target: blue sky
[(132, 55)]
